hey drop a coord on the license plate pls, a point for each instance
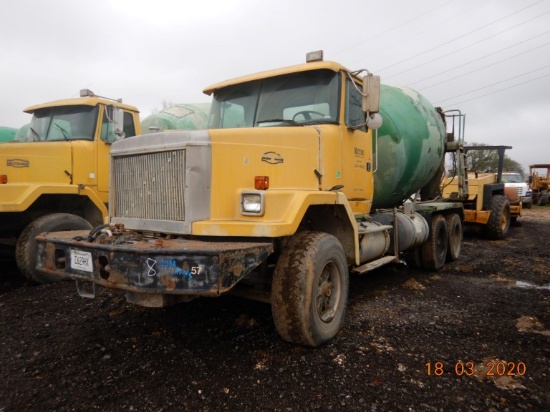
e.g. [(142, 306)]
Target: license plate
[(81, 261)]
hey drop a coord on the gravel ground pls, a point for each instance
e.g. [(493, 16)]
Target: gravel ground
[(474, 336)]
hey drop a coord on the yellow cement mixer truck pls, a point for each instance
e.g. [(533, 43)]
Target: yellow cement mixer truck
[(55, 176), (305, 175)]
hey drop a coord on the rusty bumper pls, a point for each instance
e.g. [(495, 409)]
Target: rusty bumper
[(175, 266)]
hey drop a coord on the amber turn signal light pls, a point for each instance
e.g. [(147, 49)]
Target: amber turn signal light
[(261, 182), (3, 179)]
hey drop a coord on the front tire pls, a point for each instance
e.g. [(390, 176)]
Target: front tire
[(498, 224), (310, 289), (26, 249)]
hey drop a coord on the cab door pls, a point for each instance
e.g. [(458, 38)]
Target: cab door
[(357, 151), (106, 138)]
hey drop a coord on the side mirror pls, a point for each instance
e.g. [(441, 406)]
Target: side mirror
[(119, 122), (371, 93)]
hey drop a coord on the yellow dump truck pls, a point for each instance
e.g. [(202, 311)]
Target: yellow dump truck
[(56, 175), (305, 175)]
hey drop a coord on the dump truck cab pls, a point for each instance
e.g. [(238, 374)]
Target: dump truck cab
[(55, 175)]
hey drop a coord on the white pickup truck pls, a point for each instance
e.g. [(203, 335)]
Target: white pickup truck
[(515, 180)]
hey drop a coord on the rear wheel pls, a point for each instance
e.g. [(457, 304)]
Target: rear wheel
[(498, 224), (434, 251), (26, 249), (310, 289), (454, 231)]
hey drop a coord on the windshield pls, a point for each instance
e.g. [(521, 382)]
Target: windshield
[(62, 123), (295, 99), (512, 178)]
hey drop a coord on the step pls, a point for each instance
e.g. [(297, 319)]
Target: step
[(374, 229), (375, 264)]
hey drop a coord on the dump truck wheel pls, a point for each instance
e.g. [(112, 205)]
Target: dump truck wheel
[(498, 224), (26, 249), (310, 289), (454, 233), (434, 251)]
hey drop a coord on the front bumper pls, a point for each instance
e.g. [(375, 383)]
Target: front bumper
[(526, 199), (160, 266)]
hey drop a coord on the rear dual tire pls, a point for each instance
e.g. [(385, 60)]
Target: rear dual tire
[(433, 253)]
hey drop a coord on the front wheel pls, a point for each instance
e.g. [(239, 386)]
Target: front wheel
[(310, 289), (26, 249), (498, 224)]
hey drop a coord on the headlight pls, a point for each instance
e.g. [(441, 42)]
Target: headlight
[(252, 204)]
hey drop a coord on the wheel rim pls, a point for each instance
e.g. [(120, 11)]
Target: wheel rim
[(328, 292)]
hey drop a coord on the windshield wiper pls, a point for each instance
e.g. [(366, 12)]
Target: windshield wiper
[(65, 133), (35, 135), (287, 121)]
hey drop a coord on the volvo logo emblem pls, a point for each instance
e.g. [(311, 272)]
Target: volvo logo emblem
[(272, 158), (18, 163)]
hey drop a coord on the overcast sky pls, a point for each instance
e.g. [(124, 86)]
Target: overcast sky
[(489, 59)]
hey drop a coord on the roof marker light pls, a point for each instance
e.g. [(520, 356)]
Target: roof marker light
[(314, 56)]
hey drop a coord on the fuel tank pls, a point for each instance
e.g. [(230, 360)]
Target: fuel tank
[(410, 147), (178, 116)]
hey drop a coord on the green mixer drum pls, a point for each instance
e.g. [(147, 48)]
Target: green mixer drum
[(178, 116), (7, 134), (411, 146)]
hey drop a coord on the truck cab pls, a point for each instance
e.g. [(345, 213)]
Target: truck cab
[(55, 175)]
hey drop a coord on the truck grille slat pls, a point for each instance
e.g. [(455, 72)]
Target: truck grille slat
[(150, 186)]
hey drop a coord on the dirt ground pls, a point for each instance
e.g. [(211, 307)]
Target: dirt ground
[(472, 337)]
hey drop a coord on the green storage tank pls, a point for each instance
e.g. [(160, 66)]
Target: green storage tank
[(179, 116), (22, 133), (7, 134), (411, 146)]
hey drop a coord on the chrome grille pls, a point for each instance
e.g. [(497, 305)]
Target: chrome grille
[(521, 191), (150, 186)]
